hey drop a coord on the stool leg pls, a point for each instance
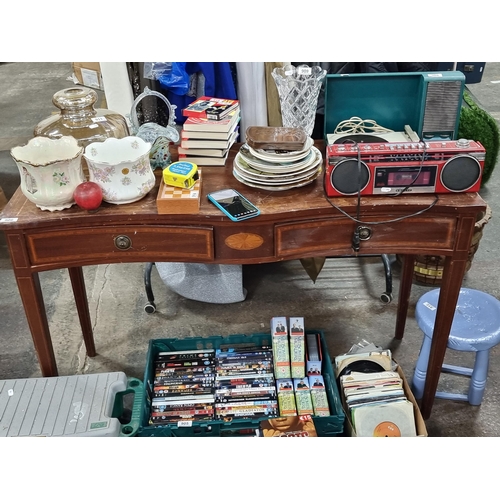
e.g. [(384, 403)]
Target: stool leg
[(418, 381), (479, 376)]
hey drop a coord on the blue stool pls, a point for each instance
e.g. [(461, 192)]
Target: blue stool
[(475, 328)]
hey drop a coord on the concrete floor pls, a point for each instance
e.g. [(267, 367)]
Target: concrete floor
[(344, 302)]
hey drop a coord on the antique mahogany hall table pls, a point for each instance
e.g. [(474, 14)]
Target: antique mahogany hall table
[(293, 224)]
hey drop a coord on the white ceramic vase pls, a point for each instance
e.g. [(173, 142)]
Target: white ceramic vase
[(50, 170), (121, 167)]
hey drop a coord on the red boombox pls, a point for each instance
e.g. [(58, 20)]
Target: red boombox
[(411, 167)]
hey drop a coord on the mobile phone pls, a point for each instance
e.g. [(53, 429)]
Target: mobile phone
[(233, 204)]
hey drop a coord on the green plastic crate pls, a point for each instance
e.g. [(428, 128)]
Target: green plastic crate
[(330, 426)]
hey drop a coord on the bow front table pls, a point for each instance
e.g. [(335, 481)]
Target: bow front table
[(293, 224)]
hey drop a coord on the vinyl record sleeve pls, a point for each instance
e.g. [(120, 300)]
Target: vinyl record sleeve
[(385, 420)]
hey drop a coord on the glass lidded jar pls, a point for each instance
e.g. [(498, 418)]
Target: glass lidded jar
[(79, 118)]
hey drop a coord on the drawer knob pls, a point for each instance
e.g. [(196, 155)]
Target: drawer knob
[(123, 242), (365, 233)]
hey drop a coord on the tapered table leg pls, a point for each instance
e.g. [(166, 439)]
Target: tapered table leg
[(82, 306), (404, 294), (34, 307)]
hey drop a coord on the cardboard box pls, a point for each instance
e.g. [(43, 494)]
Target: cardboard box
[(176, 200), (297, 347), (303, 399), (320, 402), (88, 74), (286, 397), (281, 348), (419, 420), (314, 366)]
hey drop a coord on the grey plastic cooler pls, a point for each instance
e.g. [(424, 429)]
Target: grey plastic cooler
[(78, 405)]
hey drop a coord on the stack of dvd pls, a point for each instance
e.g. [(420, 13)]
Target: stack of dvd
[(244, 385), (183, 386)]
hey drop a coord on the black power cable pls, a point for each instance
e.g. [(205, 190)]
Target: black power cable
[(356, 235)]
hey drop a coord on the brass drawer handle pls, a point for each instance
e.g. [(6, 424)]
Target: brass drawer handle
[(123, 242)]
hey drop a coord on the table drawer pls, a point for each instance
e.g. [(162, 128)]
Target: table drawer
[(121, 244), (334, 237)]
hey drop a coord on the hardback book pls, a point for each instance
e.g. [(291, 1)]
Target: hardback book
[(210, 161), (201, 124), (212, 153), (213, 108), (209, 143), (221, 136), (220, 111)]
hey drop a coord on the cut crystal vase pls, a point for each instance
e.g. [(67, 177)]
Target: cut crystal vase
[(298, 90)]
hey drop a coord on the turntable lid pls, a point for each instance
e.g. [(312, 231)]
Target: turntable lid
[(393, 100)]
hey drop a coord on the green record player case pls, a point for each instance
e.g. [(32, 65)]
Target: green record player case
[(429, 102)]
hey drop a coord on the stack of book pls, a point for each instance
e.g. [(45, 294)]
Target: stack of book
[(211, 128)]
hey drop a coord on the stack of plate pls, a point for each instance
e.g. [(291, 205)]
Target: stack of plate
[(277, 170)]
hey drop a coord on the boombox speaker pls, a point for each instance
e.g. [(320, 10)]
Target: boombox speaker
[(389, 168)]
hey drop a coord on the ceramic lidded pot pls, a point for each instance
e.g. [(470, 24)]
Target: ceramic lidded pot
[(121, 167), (50, 170)]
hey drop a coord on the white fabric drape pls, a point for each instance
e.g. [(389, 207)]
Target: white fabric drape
[(252, 95)]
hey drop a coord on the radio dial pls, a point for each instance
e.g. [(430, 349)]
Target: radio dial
[(463, 143)]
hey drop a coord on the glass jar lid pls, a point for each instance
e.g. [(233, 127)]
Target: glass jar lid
[(75, 98)]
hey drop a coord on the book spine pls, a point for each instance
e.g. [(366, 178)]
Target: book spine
[(208, 144)]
